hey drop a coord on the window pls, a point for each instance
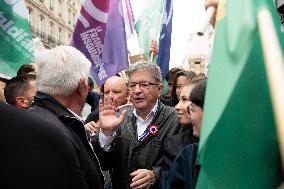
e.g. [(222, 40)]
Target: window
[(40, 25), (51, 29), (59, 35), (69, 16), (197, 62), (30, 14), (51, 4), (60, 8), (74, 19)]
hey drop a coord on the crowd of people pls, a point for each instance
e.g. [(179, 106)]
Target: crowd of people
[(134, 137), (130, 136)]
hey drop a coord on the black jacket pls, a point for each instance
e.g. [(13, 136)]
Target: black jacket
[(93, 99), (36, 153), (72, 129), (128, 154), (184, 170), (174, 144)]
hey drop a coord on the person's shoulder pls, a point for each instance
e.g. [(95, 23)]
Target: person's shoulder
[(190, 149), (167, 112), (43, 113), (93, 95), (166, 108), (24, 120)]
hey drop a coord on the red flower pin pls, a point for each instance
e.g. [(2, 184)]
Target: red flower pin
[(153, 130)]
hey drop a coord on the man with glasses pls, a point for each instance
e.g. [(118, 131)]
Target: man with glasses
[(135, 139)]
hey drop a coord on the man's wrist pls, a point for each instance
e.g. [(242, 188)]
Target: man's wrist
[(107, 132)]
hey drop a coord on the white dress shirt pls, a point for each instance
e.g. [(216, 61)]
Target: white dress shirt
[(142, 124)]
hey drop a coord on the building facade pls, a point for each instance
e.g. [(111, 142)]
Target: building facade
[(199, 52), (53, 20)]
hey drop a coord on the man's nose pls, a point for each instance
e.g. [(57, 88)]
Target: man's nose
[(137, 89)]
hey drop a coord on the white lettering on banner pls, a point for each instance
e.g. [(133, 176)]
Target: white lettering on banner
[(8, 28), (94, 46)]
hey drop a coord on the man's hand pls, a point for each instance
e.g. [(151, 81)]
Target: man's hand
[(209, 3), (153, 48), (92, 127), (214, 3), (108, 120), (142, 179)]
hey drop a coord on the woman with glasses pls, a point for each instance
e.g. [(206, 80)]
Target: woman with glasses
[(174, 144), (184, 170)]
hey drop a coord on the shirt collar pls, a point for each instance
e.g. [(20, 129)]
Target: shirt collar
[(76, 115), (152, 112)]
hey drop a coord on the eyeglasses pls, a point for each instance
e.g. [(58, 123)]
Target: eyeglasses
[(142, 85), (190, 108)]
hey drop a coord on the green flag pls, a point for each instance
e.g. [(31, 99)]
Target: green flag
[(15, 36), (238, 144), (149, 25)]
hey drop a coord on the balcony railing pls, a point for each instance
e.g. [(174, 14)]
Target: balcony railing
[(48, 39), (51, 39)]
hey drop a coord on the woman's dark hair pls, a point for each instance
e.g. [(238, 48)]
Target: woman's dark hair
[(189, 74), (197, 94), (91, 83), (170, 75)]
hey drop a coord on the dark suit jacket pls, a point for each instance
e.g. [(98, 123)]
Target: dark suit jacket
[(184, 170), (73, 130), (93, 99), (174, 144), (36, 154), (129, 154)]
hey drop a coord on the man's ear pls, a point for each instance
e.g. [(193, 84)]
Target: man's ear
[(83, 86), (21, 102), (161, 86)]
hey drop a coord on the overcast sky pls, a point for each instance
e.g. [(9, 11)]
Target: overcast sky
[(186, 15)]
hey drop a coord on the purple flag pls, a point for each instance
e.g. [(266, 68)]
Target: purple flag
[(115, 56), (99, 34)]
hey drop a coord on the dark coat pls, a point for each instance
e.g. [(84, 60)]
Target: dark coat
[(72, 129), (93, 99), (37, 154), (184, 170), (174, 144), (128, 154)]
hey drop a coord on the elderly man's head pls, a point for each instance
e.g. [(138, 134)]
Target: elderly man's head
[(63, 72), (115, 88), (144, 86)]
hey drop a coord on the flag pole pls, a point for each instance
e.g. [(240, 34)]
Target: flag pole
[(202, 27), (152, 57), (275, 71), (156, 30)]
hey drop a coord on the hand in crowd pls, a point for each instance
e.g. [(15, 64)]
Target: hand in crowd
[(209, 3), (142, 179), (214, 3), (108, 119), (120, 109), (92, 127), (153, 48)]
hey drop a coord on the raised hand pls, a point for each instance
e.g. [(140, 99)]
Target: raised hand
[(153, 49), (214, 3), (109, 122)]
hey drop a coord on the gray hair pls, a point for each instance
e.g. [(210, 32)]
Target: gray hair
[(60, 70), (145, 66)]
